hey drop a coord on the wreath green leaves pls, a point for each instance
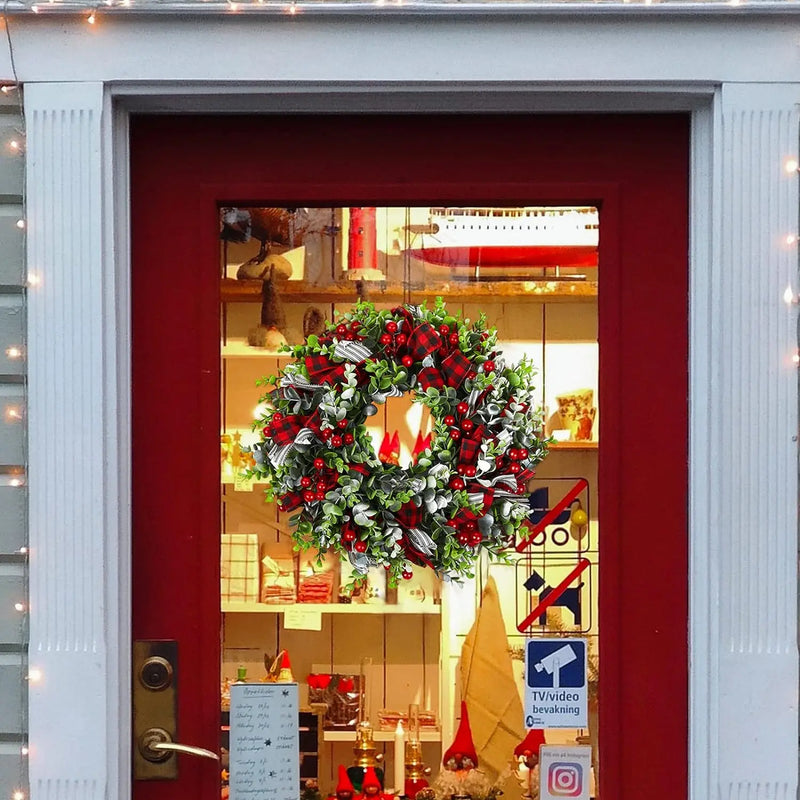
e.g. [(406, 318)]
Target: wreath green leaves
[(465, 492)]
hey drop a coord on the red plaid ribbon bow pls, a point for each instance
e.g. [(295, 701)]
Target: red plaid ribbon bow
[(284, 430), (322, 369), (452, 372), (470, 447), (409, 516), (422, 340)]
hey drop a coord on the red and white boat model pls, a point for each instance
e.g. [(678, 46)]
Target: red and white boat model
[(531, 236)]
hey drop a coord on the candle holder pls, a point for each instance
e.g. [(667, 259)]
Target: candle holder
[(364, 751), (416, 771)]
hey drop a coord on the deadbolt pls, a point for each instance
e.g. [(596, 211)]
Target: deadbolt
[(156, 673)]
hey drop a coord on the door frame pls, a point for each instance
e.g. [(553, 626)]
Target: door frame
[(100, 148)]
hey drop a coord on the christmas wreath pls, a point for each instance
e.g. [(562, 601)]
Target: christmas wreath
[(466, 491)]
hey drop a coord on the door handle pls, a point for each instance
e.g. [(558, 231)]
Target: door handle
[(156, 745)]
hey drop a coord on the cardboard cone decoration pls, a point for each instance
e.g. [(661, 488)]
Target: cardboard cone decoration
[(530, 745), (285, 673), (345, 788), (395, 456), (489, 687), (385, 452), (461, 754)]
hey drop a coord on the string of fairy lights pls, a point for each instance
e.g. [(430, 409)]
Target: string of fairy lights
[(791, 297), (14, 414), (92, 10)]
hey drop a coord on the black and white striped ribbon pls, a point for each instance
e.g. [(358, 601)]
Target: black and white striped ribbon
[(421, 541), (278, 455), (351, 351)]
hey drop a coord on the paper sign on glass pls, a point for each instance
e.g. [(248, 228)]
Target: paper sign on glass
[(556, 693), (564, 772), (264, 743)]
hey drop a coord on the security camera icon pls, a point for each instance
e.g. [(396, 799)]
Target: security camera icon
[(554, 662)]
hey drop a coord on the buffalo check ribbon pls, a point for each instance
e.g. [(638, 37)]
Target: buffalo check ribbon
[(321, 368), (415, 542), (455, 368), (285, 430)]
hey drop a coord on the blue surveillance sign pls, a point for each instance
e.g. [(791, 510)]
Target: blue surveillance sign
[(555, 683)]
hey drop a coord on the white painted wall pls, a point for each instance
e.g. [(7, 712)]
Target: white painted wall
[(740, 72)]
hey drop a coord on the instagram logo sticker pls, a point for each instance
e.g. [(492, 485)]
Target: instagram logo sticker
[(565, 779)]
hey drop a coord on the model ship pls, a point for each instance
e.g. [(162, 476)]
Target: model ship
[(532, 236)]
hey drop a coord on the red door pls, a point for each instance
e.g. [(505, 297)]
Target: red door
[(635, 168)]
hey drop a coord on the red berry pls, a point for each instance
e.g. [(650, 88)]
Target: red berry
[(513, 453), (320, 496), (351, 337), (341, 329), (336, 441), (498, 462), (475, 539), (327, 433), (514, 468), (471, 375), (406, 361), (401, 339), (342, 423), (488, 366), (319, 463), (277, 416), (461, 469), (449, 420), (305, 481), (309, 496), (355, 325), (348, 438), (407, 574), (391, 326), (444, 330), (463, 538), (462, 408), (470, 471), (452, 523), (348, 535), (520, 488), (523, 453), (453, 338), (467, 425), (360, 546), (455, 434), (385, 338), (457, 484)]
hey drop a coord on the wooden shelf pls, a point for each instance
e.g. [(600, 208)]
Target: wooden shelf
[(238, 348), (235, 607), (379, 736), (573, 445), (537, 291)]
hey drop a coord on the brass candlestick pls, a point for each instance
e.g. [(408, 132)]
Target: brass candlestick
[(364, 750), (416, 771)]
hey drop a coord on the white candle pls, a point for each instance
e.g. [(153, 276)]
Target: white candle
[(399, 759)]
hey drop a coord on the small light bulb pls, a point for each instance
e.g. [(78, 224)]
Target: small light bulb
[(15, 482), (796, 358), (92, 18), (790, 239), (20, 223), (35, 9), (23, 551), (292, 9), (34, 675), (24, 750), (14, 144), (13, 352), (791, 165), (13, 413), (33, 279), (19, 607), (789, 296), (233, 6), (18, 795), (7, 89)]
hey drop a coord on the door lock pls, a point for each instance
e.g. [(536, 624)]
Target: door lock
[(156, 745)]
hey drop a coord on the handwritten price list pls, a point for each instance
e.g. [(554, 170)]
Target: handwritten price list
[(264, 742)]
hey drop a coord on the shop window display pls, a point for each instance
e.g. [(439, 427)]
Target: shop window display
[(372, 647)]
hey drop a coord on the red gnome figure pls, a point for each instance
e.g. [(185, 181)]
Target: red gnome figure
[(371, 787), (461, 754), (344, 789), (527, 771)]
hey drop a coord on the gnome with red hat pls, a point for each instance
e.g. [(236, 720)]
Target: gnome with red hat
[(461, 754), (527, 771), (371, 787), (344, 789)]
